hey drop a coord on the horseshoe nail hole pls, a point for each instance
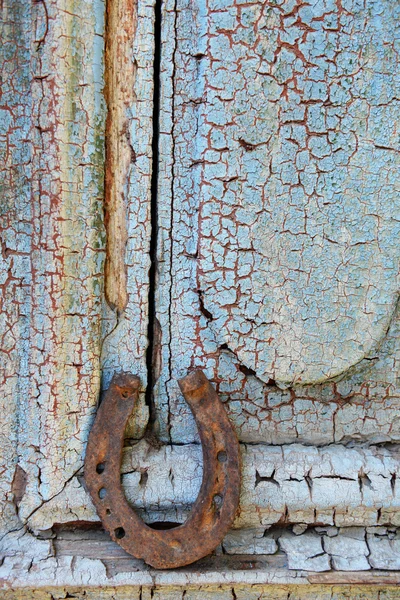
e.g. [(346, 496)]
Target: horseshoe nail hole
[(102, 493), (125, 393), (222, 456), (108, 511), (218, 500), (100, 468), (119, 533)]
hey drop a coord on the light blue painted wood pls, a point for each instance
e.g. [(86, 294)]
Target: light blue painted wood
[(52, 238), (278, 193)]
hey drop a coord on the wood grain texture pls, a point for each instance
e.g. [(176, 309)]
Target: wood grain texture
[(128, 197), (125, 323), (107, 567), (277, 272), (220, 592), (119, 78), (55, 321)]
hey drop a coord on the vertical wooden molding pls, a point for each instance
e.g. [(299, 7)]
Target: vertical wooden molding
[(119, 82)]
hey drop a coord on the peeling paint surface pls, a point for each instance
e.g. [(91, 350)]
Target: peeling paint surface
[(42, 570), (52, 236), (205, 592), (281, 485), (272, 204), (278, 191), (15, 158)]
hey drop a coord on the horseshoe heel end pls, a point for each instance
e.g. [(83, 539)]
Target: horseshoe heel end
[(192, 381), (214, 510), (193, 387), (126, 380)]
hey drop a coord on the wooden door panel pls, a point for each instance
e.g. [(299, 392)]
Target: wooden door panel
[(278, 204), (362, 405), (62, 331), (297, 185), (272, 202)]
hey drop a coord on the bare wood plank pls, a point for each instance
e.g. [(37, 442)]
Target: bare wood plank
[(130, 84), (370, 578), (210, 592)]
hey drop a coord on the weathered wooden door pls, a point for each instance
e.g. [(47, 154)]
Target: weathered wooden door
[(204, 185)]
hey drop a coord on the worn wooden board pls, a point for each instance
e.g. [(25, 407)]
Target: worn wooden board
[(277, 190), (60, 331), (221, 592), (129, 94), (52, 239), (58, 562)]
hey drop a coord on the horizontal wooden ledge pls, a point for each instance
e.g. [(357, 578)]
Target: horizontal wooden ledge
[(117, 561), (91, 559), (210, 592), (330, 485)]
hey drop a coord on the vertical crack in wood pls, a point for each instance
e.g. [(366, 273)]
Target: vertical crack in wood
[(120, 69), (171, 225), (153, 332)]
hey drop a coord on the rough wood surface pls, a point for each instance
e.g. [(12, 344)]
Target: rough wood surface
[(58, 333), (125, 320), (276, 273), (119, 75), (207, 592)]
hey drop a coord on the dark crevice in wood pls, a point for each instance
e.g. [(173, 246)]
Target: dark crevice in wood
[(18, 486), (153, 333)]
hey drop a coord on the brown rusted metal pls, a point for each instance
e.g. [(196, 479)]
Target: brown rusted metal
[(214, 510)]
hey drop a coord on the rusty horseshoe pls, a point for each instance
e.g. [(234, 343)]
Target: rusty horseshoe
[(214, 510)]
